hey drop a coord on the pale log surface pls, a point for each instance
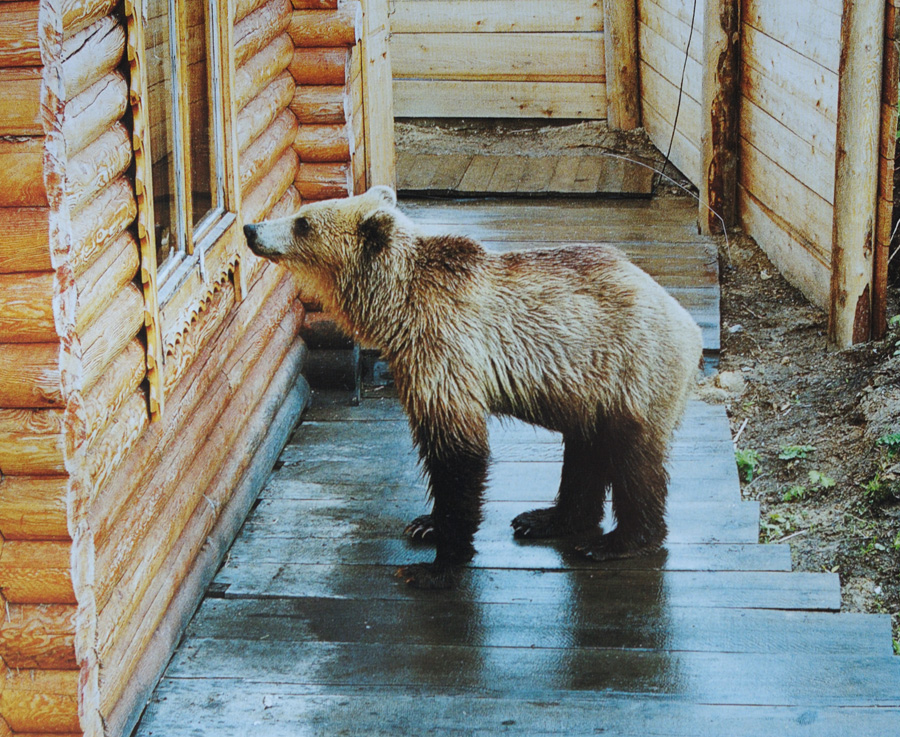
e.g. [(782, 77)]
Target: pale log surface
[(305, 629)]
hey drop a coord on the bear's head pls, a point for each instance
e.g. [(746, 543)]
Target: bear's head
[(346, 252)]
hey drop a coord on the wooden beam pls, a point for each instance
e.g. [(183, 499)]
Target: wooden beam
[(289, 203), (39, 636), (26, 313), (322, 143), (24, 239), (109, 333), (323, 181), (29, 375), (22, 164), (259, 113), (720, 115), (262, 198), (19, 34), (623, 88), (94, 111), (20, 102), (886, 191), (105, 278), (259, 28), (91, 54), (327, 28), (856, 179), (41, 701), (103, 217), (33, 508), (261, 155), (260, 69), (31, 442), (319, 66), (319, 104), (37, 572), (79, 14)]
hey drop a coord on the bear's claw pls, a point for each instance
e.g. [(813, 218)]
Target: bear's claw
[(612, 547), (421, 529), (545, 523)]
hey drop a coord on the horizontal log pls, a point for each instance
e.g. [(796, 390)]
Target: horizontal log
[(133, 543), (322, 181), (102, 161), (91, 54), (94, 111), (29, 375), (114, 492), (106, 277), (314, 4), (136, 637), (36, 572), (270, 188), (38, 636), (41, 701), (24, 239), (338, 27), (110, 332), (31, 442), (261, 68), (289, 203), (259, 113), (322, 143), (33, 508), (259, 28), (242, 8), (19, 34), (22, 164), (261, 155), (101, 219), (26, 313), (325, 104), (107, 397), (20, 102), (319, 66), (79, 14)]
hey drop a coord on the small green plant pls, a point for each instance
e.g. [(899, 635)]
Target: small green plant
[(794, 452), (891, 442), (795, 493), (747, 462), (881, 490), (896, 647), (868, 547), (896, 543), (821, 481)]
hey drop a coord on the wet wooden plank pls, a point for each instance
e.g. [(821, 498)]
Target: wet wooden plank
[(278, 710), (555, 555), (618, 625), (689, 521), (719, 678), (730, 589)]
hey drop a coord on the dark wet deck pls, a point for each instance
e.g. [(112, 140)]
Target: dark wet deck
[(306, 630)]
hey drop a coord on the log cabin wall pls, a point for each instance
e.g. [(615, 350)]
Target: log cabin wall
[(664, 29), (110, 524), (789, 103), (498, 58)]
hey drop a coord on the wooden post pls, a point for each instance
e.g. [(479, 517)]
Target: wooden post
[(884, 227), (720, 111), (623, 88), (856, 180), (378, 96)]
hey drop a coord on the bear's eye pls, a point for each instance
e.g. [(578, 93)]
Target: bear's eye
[(300, 227)]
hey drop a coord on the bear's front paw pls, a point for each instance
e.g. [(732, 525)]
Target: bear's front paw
[(549, 522), (429, 576), (421, 529)]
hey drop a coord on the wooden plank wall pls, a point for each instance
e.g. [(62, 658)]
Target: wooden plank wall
[(791, 57), (498, 58), (664, 28)]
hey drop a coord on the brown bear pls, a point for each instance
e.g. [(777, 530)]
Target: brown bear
[(574, 339)]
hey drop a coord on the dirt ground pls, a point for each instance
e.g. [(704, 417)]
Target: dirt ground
[(819, 422), (814, 424)]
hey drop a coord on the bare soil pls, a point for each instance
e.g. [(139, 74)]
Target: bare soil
[(814, 416)]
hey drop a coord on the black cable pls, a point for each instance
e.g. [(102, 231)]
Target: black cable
[(687, 56)]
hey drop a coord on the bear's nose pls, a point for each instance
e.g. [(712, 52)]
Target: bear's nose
[(250, 235)]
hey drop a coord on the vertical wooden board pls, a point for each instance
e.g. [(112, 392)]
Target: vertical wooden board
[(667, 61), (564, 174), (378, 95), (537, 171), (685, 153), (620, 44), (812, 28), (507, 174)]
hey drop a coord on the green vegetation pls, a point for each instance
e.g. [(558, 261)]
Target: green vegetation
[(820, 480), (795, 452), (891, 442), (747, 462), (795, 493)]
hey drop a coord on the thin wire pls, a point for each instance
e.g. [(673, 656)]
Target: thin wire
[(687, 55)]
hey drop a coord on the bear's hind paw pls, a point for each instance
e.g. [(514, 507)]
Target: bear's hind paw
[(543, 523), (421, 529), (428, 576), (613, 547)]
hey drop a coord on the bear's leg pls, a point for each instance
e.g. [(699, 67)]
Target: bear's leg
[(456, 463), (639, 488), (582, 491)]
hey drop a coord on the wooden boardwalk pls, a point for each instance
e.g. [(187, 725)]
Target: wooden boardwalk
[(306, 631)]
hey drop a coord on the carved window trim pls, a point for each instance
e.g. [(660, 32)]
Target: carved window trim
[(172, 304)]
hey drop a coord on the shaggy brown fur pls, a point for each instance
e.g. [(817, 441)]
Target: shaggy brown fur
[(577, 340)]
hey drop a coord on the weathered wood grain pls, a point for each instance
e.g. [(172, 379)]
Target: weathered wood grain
[(33, 508), (259, 113), (496, 16)]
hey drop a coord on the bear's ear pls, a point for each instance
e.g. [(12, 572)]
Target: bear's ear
[(385, 193), (375, 232)]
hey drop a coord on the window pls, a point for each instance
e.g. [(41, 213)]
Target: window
[(179, 54), (184, 110)]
